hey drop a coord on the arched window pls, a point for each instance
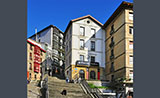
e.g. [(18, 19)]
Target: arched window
[(82, 74), (92, 75)]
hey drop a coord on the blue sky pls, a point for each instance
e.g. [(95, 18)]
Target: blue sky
[(42, 13)]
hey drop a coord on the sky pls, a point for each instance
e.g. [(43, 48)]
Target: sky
[(42, 13)]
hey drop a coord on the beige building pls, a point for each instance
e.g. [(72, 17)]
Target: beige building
[(119, 46), (35, 57)]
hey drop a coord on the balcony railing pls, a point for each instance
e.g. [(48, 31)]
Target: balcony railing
[(111, 32), (111, 44), (111, 57)]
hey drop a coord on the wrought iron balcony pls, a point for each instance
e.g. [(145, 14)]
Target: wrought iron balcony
[(111, 57), (111, 44), (111, 32)]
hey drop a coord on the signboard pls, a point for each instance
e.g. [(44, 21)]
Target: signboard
[(94, 63), (82, 63)]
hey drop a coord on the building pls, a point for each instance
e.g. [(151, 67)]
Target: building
[(119, 47), (49, 60), (84, 49), (35, 59), (53, 37)]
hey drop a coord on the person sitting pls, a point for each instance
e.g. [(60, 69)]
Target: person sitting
[(64, 92)]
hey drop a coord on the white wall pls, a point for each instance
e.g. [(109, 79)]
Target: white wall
[(45, 36), (99, 53)]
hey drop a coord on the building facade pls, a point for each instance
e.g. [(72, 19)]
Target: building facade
[(35, 59), (119, 47), (54, 38), (84, 49)]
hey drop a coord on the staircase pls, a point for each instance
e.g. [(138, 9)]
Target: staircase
[(56, 85)]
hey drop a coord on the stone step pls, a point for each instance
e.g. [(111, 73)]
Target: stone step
[(56, 86)]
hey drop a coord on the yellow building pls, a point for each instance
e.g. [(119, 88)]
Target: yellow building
[(119, 46), (35, 57)]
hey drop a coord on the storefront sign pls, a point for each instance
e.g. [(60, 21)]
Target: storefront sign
[(94, 63), (82, 63)]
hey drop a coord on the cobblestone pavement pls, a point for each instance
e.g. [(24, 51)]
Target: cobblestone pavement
[(33, 91), (56, 86)]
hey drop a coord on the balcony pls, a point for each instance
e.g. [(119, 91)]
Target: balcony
[(82, 48), (111, 44), (111, 32), (111, 57)]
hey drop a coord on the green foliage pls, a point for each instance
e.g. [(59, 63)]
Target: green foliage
[(93, 86)]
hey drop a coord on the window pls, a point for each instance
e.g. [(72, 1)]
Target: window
[(130, 30), (66, 48), (70, 44), (92, 45), (131, 74), (112, 67), (30, 56), (130, 59), (30, 47), (35, 77), (88, 21), (112, 78), (112, 27), (41, 60), (81, 57), (93, 33), (112, 39), (92, 58), (55, 37), (112, 52), (130, 15), (30, 66), (70, 59), (130, 44), (82, 31), (81, 44)]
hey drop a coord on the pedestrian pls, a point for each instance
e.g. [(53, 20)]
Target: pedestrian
[(79, 80), (64, 92)]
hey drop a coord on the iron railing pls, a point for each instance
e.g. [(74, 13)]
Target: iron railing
[(93, 92)]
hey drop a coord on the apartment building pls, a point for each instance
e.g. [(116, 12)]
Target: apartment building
[(35, 59), (54, 37), (84, 49), (119, 47)]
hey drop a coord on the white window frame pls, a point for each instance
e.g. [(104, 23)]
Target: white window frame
[(80, 57), (131, 29), (130, 59), (81, 43), (82, 31), (93, 32), (130, 15), (130, 45)]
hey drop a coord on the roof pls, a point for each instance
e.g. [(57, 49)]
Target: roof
[(46, 29), (80, 18), (122, 6), (33, 42)]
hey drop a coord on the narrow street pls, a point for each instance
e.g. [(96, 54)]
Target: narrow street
[(56, 85)]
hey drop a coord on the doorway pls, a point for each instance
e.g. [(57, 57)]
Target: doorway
[(82, 74)]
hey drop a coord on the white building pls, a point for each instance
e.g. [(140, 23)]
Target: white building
[(84, 40), (54, 37)]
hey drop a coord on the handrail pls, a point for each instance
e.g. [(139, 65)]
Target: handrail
[(94, 92)]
